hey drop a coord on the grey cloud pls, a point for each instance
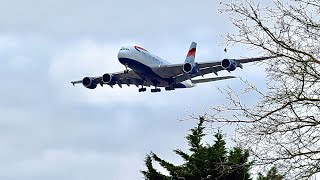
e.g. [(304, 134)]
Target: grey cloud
[(107, 132), (108, 19)]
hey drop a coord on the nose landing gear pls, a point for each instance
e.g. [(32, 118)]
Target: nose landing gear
[(126, 71)]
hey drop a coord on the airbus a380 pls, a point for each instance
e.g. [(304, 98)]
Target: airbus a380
[(147, 69)]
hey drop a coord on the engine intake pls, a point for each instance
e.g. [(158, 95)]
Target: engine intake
[(190, 68), (108, 78), (229, 64), (90, 83)]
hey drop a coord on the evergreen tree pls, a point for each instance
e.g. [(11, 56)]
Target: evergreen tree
[(271, 175), (204, 161)]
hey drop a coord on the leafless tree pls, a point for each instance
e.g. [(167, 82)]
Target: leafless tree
[(283, 128)]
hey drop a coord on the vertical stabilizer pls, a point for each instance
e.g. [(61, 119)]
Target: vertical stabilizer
[(191, 53)]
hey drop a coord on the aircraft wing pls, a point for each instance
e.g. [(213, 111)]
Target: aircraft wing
[(119, 78), (176, 70)]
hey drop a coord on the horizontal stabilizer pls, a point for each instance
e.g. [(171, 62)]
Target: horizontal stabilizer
[(196, 81)]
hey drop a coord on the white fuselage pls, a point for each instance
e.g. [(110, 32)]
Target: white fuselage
[(141, 61)]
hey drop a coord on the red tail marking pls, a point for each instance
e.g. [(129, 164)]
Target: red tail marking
[(192, 52)]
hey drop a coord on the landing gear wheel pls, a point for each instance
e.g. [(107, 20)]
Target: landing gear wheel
[(156, 90), (142, 89)]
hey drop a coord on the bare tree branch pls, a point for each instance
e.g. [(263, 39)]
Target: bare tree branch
[(283, 128)]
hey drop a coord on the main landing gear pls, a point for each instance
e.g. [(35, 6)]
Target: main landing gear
[(142, 89), (152, 90), (156, 90)]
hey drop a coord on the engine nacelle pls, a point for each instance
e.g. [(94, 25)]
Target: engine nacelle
[(229, 64), (90, 83), (190, 68), (108, 78)]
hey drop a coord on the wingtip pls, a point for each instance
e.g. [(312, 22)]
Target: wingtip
[(230, 77)]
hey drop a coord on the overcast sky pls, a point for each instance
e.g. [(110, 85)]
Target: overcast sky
[(51, 130)]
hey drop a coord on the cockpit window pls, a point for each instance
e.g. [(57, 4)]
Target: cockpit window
[(124, 49)]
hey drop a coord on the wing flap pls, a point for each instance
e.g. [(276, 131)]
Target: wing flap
[(203, 71), (197, 81), (247, 60)]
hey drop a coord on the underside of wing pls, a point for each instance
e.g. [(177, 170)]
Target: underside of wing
[(177, 70), (119, 78), (130, 81), (182, 72), (172, 70)]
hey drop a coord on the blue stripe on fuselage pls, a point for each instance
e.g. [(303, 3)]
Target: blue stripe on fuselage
[(146, 72)]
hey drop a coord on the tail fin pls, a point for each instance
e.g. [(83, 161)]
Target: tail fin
[(191, 53)]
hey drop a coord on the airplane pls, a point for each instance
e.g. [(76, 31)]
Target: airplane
[(144, 69)]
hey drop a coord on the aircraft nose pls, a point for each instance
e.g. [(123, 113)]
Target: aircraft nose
[(123, 53)]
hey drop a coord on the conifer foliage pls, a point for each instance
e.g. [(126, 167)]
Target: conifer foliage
[(204, 161), (271, 175)]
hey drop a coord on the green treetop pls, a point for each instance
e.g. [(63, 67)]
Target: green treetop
[(204, 161)]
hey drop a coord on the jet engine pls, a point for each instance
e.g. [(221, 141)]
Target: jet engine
[(108, 78), (190, 68), (229, 64), (90, 83)]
